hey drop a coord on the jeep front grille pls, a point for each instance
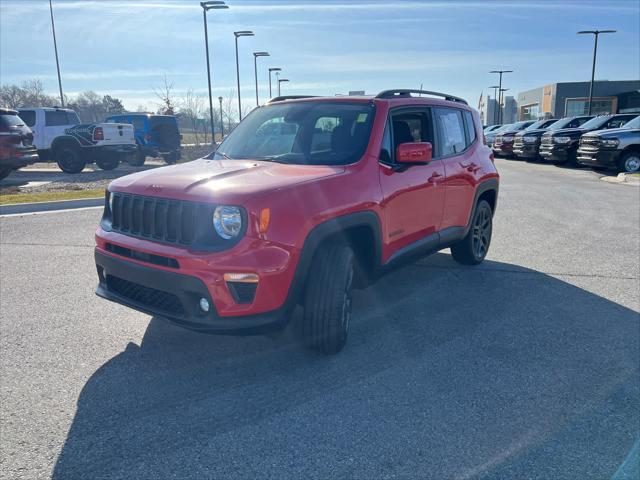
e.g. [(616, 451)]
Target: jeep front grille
[(162, 219)]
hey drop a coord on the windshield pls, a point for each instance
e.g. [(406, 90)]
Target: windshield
[(536, 125), (305, 133), (563, 122), (595, 122), (503, 128), (633, 123)]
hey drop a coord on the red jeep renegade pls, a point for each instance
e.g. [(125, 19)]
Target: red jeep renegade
[(305, 200)]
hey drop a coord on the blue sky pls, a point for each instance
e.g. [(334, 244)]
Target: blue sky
[(124, 48)]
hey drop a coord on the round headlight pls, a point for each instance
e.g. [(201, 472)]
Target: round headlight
[(227, 221)]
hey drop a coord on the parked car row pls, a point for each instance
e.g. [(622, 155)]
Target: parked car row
[(29, 135), (604, 141)]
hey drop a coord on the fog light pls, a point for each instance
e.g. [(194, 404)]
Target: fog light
[(204, 305)]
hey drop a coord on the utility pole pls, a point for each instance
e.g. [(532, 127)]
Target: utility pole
[(595, 33), (55, 48)]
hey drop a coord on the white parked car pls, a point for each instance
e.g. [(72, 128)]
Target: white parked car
[(59, 136)]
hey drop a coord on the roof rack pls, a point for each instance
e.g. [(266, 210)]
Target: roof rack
[(403, 92), (290, 97)]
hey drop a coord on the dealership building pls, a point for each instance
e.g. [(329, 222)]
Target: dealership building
[(568, 99)]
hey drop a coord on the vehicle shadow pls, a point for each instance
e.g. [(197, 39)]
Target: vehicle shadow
[(494, 371)]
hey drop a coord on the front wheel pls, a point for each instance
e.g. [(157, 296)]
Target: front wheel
[(328, 299), (108, 163), (629, 162), (70, 160), (473, 248)]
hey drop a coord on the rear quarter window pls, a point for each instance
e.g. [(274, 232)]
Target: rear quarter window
[(451, 131), (471, 126), (28, 116)]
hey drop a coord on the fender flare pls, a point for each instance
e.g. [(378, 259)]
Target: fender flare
[(491, 184), (329, 228), (64, 139)]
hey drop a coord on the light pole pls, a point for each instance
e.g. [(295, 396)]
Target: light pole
[(502, 90), (500, 72), (221, 122), (55, 48), (242, 33), (495, 99), (593, 68), (280, 80), (255, 67), (206, 6), (273, 69)]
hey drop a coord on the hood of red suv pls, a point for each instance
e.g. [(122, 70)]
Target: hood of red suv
[(219, 181)]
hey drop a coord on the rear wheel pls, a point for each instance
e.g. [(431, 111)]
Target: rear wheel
[(473, 248), (108, 163), (69, 159), (328, 299), (5, 171), (137, 159), (629, 162)]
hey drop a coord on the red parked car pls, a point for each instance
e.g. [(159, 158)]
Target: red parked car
[(16, 143), (305, 200)]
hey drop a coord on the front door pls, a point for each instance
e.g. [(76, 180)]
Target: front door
[(413, 196)]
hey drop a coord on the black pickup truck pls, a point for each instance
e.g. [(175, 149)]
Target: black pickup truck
[(560, 146), (527, 143), (616, 148)]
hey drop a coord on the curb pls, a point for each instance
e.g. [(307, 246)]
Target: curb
[(22, 208)]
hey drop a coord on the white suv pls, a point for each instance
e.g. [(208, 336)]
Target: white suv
[(59, 136)]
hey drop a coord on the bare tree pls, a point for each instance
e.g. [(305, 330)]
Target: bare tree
[(191, 107), (165, 94)]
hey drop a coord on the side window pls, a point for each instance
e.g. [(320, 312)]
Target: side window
[(450, 131), (471, 127), (53, 118), (385, 147), (138, 123), (616, 122), (28, 117)]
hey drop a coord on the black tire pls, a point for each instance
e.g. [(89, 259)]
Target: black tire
[(4, 172), (328, 298), (69, 159), (473, 248), (137, 159), (171, 158), (629, 162), (108, 163)]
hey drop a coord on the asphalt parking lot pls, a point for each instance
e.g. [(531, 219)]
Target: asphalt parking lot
[(523, 367)]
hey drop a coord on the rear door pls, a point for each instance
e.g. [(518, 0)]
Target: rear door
[(413, 196), (457, 145)]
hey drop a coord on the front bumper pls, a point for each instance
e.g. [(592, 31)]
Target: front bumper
[(505, 149), (169, 281), (599, 157), (555, 152), (527, 150)]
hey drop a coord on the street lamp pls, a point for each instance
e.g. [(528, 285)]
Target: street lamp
[(495, 99), (255, 67), (502, 90), (500, 85), (55, 48), (206, 6), (595, 50), (273, 69), (241, 33), (221, 122), (280, 80)]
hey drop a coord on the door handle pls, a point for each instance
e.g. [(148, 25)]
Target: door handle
[(434, 176)]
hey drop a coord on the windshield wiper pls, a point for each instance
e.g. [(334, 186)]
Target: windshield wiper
[(223, 155)]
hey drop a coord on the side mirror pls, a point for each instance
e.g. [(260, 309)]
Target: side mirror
[(416, 153)]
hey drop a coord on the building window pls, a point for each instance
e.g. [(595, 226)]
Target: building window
[(580, 106), (530, 112)]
